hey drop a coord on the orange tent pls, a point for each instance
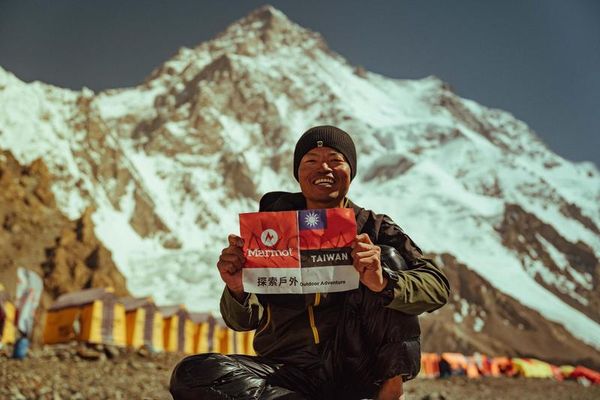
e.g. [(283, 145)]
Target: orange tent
[(453, 364), (430, 365), (501, 366), (589, 374), (472, 369), (483, 363), (91, 315)]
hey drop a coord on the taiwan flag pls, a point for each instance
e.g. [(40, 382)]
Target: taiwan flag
[(328, 228)]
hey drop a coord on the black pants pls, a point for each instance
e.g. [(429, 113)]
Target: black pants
[(372, 344)]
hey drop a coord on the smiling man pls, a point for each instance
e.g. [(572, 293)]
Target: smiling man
[(347, 345)]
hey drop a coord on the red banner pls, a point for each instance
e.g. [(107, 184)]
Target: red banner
[(306, 251)]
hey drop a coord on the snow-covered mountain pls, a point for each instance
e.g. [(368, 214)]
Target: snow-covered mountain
[(170, 163)]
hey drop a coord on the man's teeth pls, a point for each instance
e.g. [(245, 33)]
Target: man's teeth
[(324, 181)]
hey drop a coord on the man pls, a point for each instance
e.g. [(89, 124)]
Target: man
[(356, 344)]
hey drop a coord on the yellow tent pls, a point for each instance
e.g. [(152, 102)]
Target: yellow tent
[(532, 368), (92, 315), (230, 341), (144, 323), (7, 318), (249, 343), (178, 329), (206, 336)]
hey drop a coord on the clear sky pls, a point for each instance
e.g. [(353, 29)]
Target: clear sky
[(539, 60)]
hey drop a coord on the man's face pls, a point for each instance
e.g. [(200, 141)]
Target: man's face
[(324, 176)]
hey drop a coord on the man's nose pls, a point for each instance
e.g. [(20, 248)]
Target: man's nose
[(325, 166)]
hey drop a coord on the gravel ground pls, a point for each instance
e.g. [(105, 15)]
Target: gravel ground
[(76, 372)]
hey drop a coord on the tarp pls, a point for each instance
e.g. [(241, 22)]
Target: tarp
[(144, 323), (29, 291), (92, 315)]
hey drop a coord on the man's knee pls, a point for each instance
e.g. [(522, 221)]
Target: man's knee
[(197, 372), (218, 376)]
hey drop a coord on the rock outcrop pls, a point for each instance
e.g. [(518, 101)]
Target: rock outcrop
[(34, 234)]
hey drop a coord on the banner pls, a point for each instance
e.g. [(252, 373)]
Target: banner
[(306, 251), (29, 291)]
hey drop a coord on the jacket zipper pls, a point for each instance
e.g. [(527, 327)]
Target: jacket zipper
[(311, 318)]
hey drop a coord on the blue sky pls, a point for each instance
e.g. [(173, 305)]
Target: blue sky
[(539, 60)]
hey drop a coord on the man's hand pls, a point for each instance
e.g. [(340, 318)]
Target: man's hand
[(367, 261), (230, 266)]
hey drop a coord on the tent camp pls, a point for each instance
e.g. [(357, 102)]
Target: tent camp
[(92, 315), (144, 323), (7, 318), (178, 329)]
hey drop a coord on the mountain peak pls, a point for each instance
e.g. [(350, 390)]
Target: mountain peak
[(268, 14), (264, 31), (267, 29), (268, 19)]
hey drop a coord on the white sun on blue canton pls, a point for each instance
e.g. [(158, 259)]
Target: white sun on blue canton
[(311, 219)]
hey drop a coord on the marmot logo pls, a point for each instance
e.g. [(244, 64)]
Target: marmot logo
[(269, 237)]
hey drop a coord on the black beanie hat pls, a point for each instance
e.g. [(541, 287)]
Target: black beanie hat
[(326, 136)]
